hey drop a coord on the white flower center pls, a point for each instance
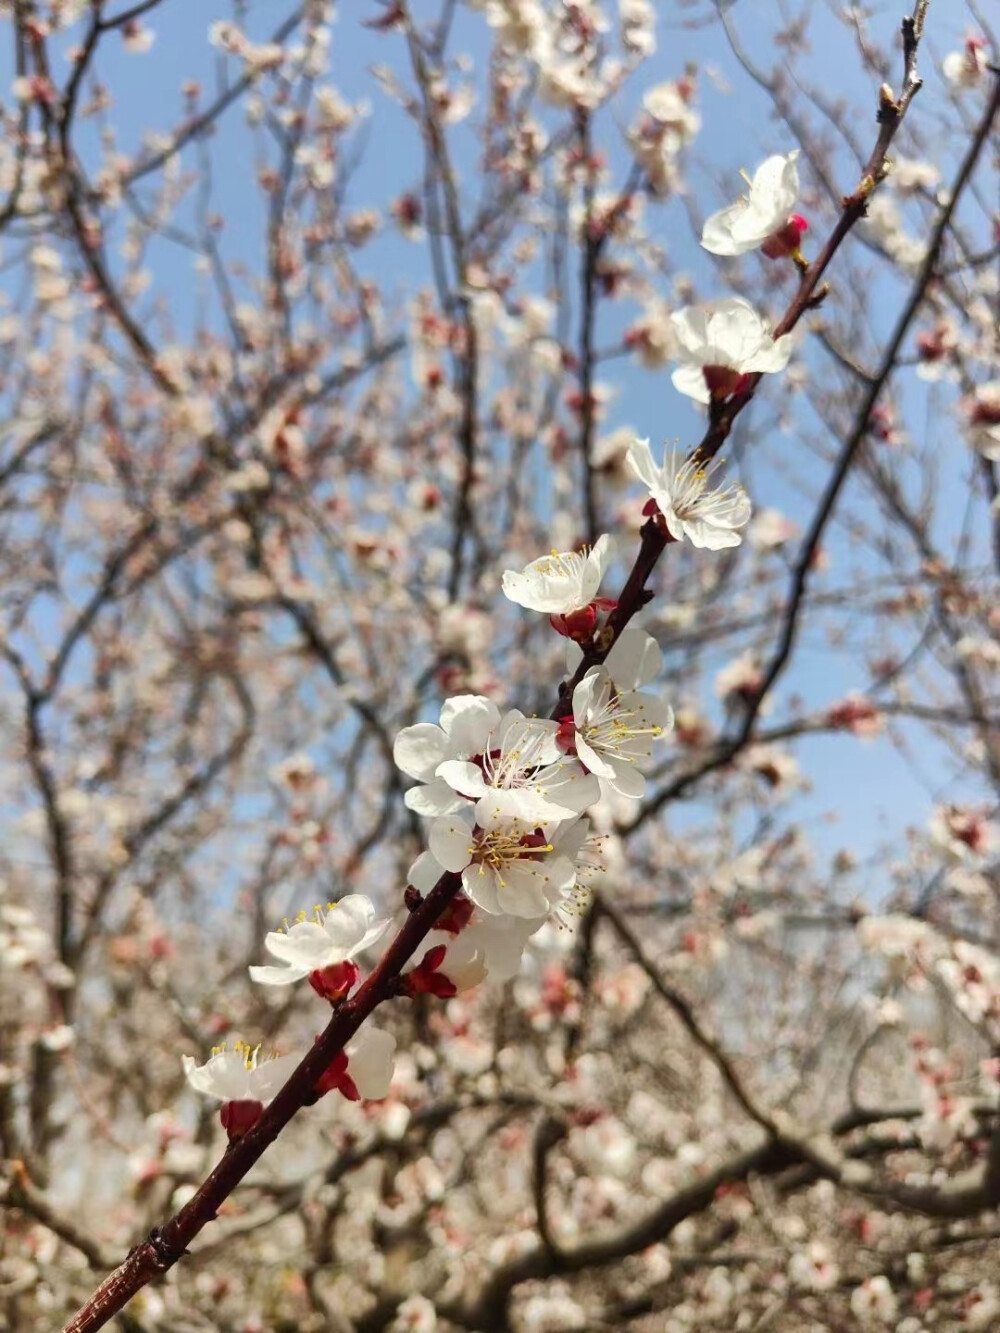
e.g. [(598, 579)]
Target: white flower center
[(611, 727), (564, 565), (511, 768)]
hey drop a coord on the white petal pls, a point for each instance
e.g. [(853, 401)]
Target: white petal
[(304, 945), (530, 888), (635, 659), (775, 187), (627, 780), (351, 927), (640, 459), (717, 234), (708, 537), (425, 872), (480, 885), (691, 327), (432, 798), (271, 1075), (418, 750), (568, 786), (450, 842), (596, 763), (224, 1076), (463, 777), (690, 380), (468, 720), (370, 1062), (277, 976), (773, 356)]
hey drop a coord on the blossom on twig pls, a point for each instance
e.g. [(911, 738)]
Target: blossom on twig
[(684, 502)]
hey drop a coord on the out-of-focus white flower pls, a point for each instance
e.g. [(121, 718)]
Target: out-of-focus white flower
[(884, 226), (331, 938), (770, 529), (972, 975), (669, 104), (689, 508), (857, 715), (982, 1307), (874, 1302), (763, 218), (909, 175), (332, 112), (561, 582), (982, 410), (667, 124), (638, 27), (814, 1268), (903, 941), (445, 965), (415, 1315), (467, 724), (720, 347), (964, 832), (776, 766), (651, 336), (966, 68), (136, 39), (507, 867)]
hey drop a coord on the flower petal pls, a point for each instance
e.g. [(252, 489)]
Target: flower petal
[(418, 750)]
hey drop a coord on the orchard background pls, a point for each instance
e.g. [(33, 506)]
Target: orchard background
[(314, 321)]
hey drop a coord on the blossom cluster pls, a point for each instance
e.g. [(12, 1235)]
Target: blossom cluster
[(513, 801)]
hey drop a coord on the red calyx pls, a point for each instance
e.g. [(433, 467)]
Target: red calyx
[(580, 625), (332, 983), (240, 1116), (425, 979), (787, 239), (456, 915), (566, 735), (723, 382), (335, 1077)]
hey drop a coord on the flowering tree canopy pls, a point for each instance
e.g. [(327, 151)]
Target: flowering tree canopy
[(498, 666)]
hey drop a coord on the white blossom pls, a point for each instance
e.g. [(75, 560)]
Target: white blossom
[(874, 1301), (239, 1074), (337, 935), (614, 730), (467, 723), (522, 774), (719, 347), (966, 68), (761, 214), (561, 582), (689, 506), (508, 867)]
